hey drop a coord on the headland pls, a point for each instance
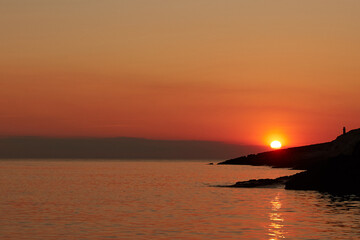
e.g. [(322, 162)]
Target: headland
[(330, 167)]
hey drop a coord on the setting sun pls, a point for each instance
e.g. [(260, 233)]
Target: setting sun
[(275, 144)]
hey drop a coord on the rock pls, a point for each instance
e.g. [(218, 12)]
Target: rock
[(304, 157), (337, 175), (332, 167), (261, 182)]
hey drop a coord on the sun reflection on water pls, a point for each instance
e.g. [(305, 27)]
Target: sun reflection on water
[(276, 225)]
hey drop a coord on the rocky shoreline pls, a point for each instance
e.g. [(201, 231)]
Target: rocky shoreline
[(330, 167)]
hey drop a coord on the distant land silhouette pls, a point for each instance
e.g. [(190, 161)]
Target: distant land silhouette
[(331, 167), (118, 148)]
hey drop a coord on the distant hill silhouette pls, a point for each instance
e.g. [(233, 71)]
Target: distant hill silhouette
[(118, 148)]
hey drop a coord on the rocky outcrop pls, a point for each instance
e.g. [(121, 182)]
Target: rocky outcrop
[(267, 182), (337, 175), (304, 157), (331, 167)]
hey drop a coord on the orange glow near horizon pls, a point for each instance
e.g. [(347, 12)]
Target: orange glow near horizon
[(143, 69), (277, 138)]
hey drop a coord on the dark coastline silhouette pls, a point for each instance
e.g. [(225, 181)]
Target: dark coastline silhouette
[(330, 167)]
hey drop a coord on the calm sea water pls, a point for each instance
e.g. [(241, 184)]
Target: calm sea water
[(162, 200)]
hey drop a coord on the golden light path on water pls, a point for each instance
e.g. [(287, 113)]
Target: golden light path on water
[(276, 226), (160, 199)]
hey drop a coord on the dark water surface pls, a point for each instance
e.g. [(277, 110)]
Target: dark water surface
[(162, 200)]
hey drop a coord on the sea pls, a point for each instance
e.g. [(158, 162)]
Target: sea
[(162, 199)]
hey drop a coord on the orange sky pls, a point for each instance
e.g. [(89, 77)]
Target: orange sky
[(235, 71)]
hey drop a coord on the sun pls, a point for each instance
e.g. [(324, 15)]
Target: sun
[(275, 144)]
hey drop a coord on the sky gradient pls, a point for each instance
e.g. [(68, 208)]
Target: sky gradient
[(236, 71)]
